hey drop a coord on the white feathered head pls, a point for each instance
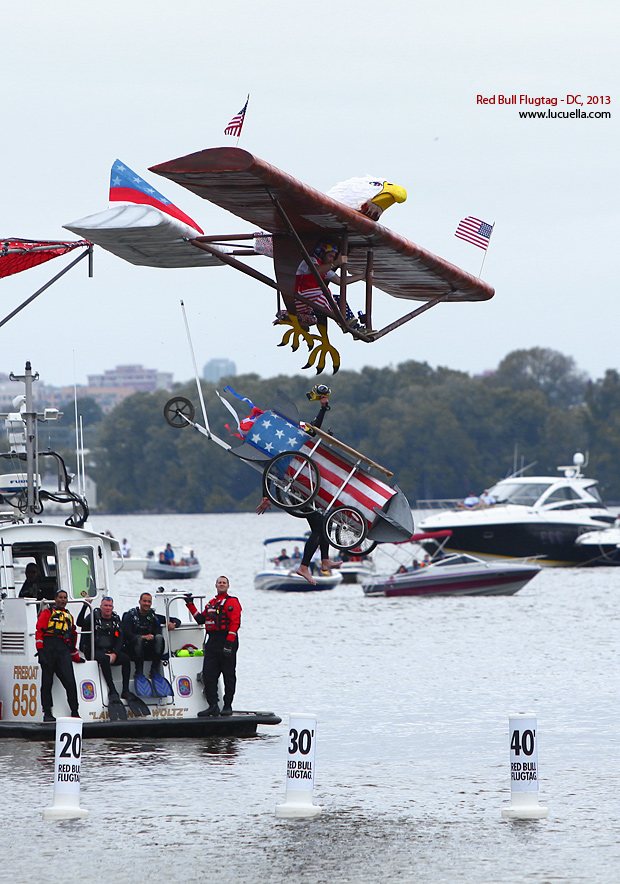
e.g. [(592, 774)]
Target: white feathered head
[(368, 195)]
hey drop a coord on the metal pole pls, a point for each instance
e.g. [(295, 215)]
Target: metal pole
[(191, 348), (46, 286)]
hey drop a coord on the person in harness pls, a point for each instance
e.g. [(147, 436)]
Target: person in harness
[(56, 641), (222, 619), (108, 643)]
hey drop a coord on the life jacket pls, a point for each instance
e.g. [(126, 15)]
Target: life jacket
[(108, 631), (144, 624), (217, 615), (60, 624)]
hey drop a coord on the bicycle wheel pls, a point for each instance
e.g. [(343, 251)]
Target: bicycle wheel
[(176, 410), (345, 528), (364, 548), (291, 480)]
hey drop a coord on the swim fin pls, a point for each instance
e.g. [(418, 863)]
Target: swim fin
[(116, 709), (161, 685), (137, 706), (143, 686)]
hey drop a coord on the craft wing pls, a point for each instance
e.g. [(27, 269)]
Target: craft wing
[(247, 186), (22, 254), (143, 235)]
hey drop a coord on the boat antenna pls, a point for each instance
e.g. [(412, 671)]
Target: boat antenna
[(191, 348)]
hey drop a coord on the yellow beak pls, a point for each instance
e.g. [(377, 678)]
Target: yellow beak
[(391, 193)]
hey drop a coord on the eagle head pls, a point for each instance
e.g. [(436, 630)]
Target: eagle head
[(369, 195)]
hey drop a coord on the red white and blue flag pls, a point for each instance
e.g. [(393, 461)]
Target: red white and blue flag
[(236, 124), (127, 187), (475, 231)]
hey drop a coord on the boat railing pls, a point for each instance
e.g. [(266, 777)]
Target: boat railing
[(438, 503)]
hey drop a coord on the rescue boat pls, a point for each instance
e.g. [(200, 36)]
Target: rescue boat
[(84, 563)]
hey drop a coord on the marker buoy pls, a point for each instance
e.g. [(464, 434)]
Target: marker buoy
[(67, 772), (300, 769), (523, 769)]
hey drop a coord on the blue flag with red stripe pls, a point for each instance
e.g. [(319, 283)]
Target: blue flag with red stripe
[(127, 187)]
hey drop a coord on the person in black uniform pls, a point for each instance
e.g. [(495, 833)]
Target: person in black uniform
[(315, 519), (142, 633), (222, 619), (109, 641), (56, 641)]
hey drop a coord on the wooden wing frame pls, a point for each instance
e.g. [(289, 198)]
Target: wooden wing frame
[(297, 216)]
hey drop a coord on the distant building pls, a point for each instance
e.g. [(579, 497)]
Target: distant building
[(216, 369), (107, 389)]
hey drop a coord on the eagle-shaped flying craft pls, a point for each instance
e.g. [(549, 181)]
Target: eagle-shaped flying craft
[(308, 234)]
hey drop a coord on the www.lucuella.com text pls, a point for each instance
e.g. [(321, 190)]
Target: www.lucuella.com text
[(538, 100)]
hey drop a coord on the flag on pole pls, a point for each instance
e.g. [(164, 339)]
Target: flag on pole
[(127, 187), (475, 231), (236, 124)]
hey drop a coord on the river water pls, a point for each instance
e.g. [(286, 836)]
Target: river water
[(412, 758)]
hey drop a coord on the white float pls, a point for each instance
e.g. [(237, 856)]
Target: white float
[(523, 769), (300, 769), (67, 772)]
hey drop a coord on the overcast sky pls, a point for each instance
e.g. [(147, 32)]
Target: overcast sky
[(336, 90)]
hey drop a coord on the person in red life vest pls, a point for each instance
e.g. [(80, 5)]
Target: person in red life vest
[(222, 619), (56, 641)]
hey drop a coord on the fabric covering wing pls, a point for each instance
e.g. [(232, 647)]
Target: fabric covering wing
[(244, 185), (145, 236)]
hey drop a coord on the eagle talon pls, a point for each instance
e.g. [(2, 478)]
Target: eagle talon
[(294, 333), (321, 351)]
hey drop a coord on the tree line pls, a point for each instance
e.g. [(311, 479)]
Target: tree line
[(443, 433)]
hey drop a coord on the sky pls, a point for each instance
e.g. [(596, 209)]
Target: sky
[(336, 91)]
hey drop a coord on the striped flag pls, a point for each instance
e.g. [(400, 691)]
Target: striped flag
[(127, 187), (236, 124), (475, 231)]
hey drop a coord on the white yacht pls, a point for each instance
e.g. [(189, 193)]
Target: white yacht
[(539, 516)]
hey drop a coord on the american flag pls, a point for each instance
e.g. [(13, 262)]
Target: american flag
[(272, 434), (236, 124), (475, 231), (127, 187)]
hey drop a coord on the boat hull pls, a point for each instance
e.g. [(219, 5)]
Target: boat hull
[(553, 542), (491, 580), (240, 724), (282, 582), (156, 571)]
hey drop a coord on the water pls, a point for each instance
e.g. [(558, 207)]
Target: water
[(412, 698)]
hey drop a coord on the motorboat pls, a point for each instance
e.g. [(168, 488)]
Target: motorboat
[(529, 516), (279, 571), (452, 574), (185, 567), (74, 558), (601, 547), (356, 569)]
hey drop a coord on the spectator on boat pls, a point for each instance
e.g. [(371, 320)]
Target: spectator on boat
[(191, 559), (486, 498), (283, 557), (471, 501), (125, 549), (34, 586), (315, 519), (108, 642), (56, 641), (167, 556), (142, 631), (296, 554), (222, 619)]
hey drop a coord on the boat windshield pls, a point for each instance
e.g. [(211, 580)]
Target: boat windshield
[(523, 493)]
